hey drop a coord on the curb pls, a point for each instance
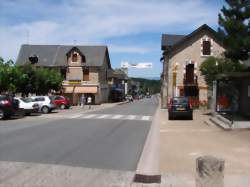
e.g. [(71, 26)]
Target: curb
[(147, 170)]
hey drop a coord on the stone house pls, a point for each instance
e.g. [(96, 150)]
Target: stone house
[(118, 82), (84, 68), (182, 57)]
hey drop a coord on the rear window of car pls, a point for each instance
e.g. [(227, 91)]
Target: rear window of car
[(180, 101)]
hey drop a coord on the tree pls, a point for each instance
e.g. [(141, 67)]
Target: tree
[(234, 29), (46, 80), (28, 79), (213, 66)]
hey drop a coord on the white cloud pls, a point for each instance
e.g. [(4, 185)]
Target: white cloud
[(93, 21)]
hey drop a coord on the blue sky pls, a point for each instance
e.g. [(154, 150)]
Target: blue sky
[(131, 29)]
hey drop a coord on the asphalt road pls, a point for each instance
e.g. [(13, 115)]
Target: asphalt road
[(108, 139)]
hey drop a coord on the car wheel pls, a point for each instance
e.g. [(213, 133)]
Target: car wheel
[(62, 106), (45, 109), (2, 115)]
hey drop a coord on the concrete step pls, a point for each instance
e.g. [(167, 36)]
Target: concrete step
[(224, 120), (220, 123)]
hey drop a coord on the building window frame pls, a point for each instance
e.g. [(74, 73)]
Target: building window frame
[(74, 57), (208, 51), (86, 73)]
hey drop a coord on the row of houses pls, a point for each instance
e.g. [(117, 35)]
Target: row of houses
[(182, 56), (86, 70)]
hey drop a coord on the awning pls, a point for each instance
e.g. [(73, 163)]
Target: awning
[(79, 89)]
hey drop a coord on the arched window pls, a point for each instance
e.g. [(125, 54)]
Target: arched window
[(74, 57)]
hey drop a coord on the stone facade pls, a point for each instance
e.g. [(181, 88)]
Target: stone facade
[(96, 84), (175, 62)]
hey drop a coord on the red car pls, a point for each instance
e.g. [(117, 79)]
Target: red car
[(60, 101)]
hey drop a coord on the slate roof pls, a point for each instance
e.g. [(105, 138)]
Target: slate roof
[(55, 55), (117, 73), (171, 42)]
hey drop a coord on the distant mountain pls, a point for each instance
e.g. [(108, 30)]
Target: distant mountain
[(148, 84), (148, 78)]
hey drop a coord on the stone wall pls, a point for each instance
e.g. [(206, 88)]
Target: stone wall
[(191, 52)]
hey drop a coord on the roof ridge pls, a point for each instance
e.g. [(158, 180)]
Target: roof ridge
[(61, 45)]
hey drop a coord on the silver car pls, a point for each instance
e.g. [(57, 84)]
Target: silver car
[(45, 104)]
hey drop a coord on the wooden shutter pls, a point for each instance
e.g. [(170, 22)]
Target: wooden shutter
[(206, 46)]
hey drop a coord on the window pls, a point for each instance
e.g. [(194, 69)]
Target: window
[(206, 47), (85, 74), (74, 57), (39, 99)]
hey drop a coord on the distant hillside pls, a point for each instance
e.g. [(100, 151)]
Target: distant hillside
[(153, 86)]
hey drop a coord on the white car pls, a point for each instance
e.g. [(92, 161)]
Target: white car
[(45, 104), (28, 105)]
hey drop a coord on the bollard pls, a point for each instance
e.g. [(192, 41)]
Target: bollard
[(209, 172)]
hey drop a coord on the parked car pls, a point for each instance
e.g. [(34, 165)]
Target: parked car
[(129, 98), (28, 105), (60, 101), (8, 106), (180, 107), (45, 104)]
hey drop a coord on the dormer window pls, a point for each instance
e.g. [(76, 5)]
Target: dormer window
[(74, 57)]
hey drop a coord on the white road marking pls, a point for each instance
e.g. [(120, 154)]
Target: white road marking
[(145, 118), (103, 116), (75, 116), (116, 116), (131, 117), (89, 116)]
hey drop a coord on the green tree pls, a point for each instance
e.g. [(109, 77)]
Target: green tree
[(213, 66), (28, 79), (234, 29), (46, 80)]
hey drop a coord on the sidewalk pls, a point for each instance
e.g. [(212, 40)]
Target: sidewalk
[(182, 141)]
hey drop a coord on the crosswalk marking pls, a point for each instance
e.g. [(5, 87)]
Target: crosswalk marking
[(131, 117), (89, 116), (75, 116), (103, 116), (100, 116), (116, 116), (145, 118)]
